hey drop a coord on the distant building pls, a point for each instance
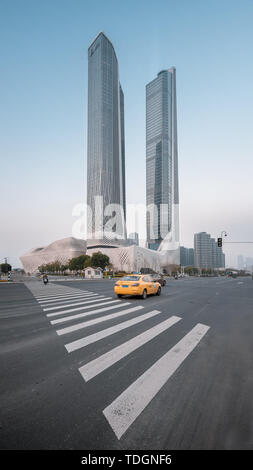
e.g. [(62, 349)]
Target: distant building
[(133, 238), (186, 256), (249, 264), (207, 254), (240, 262)]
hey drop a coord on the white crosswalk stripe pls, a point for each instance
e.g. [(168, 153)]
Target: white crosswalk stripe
[(62, 293), (81, 343), (112, 316), (98, 299), (125, 409), (69, 297), (68, 302), (95, 367), (91, 312)]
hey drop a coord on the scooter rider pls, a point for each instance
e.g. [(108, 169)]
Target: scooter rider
[(45, 278)]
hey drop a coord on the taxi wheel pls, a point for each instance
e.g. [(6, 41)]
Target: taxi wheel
[(158, 291), (144, 294), (119, 295)]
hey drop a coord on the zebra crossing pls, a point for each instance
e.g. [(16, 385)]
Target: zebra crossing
[(80, 309)]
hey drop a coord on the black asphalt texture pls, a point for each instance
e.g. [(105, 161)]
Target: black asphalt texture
[(206, 404)]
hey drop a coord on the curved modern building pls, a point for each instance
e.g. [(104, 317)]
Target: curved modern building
[(106, 142), (60, 250)]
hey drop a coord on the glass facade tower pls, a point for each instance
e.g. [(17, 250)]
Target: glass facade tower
[(161, 159), (106, 142)]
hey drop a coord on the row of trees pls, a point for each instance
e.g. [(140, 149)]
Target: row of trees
[(192, 271), (97, 260)]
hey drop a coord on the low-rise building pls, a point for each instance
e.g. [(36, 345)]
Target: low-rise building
[(93, 273)]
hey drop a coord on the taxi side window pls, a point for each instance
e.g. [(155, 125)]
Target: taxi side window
[(145, 279)]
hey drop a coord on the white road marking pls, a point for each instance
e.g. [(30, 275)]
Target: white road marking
[(80, 315), (81, 343), (58, 303), (54, 314), (63, 297), (62, 293), (91, 312), (87, 323), (59, 291), (98, 299), (125, 409), (95, 367)]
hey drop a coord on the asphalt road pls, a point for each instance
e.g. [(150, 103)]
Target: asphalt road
[(81, 369)]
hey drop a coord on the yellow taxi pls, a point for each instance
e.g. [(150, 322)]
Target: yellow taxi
[(137, 284)]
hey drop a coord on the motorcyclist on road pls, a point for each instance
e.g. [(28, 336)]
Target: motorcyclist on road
[(45, 278)]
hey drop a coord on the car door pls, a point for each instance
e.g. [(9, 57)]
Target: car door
[(149, 283), (154, 284)]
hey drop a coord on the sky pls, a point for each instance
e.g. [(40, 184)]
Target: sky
[(43, 111)]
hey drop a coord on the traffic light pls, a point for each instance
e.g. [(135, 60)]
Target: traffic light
[(219, 242)]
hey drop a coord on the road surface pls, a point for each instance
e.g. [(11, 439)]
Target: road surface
[(82, 369)]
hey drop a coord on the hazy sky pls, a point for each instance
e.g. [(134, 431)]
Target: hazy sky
[(43, 111)]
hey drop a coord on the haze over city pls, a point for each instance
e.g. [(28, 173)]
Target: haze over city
[(44, 112)]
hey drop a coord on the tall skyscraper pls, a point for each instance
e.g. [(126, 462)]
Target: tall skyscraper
[(106, 143), (162, 160)]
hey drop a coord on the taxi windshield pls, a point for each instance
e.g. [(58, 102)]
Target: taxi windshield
[(130, 278)]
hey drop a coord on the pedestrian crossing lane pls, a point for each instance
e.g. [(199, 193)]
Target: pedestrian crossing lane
[(129, 405), (90, 312), (112, 316), (126, 408), (65, 297), (81, 343), (73, 305), (95, 367)]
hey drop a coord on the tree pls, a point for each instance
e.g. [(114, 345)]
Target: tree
[(87, 262), (5, 268), (54, 267), (188, 270), (195, 271), (63, 268), (99, 260), (77, 264)]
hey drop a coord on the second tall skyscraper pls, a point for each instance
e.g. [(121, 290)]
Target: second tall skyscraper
[(162, 160)]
